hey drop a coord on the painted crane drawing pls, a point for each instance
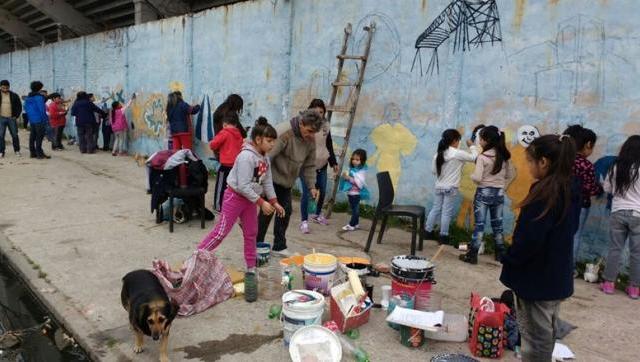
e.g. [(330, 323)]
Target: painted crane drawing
[(471, 23)]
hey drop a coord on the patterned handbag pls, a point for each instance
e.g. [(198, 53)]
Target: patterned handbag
[(487, 337)]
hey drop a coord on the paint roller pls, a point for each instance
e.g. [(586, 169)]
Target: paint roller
[(356, 285)]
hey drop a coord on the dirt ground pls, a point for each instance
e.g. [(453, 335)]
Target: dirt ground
[(75, 224)]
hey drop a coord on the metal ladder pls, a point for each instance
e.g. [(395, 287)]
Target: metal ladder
[(352, 99)]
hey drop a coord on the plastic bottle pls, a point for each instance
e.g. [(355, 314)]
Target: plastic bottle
[(350, 349), (312, 207), (274, 311)]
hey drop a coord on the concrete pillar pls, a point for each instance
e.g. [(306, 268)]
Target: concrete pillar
[(144, 12)]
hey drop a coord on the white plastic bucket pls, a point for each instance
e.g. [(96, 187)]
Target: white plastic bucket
[(315, 342), (300, 308), (319, 272)]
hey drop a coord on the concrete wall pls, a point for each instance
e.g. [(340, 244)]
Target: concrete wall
[(553, 63)]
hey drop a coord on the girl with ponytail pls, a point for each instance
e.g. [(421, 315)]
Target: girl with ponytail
[(447, 166), (250, 187), (538, 266), (492, 174)]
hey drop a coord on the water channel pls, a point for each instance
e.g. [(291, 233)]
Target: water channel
[(21, 312)]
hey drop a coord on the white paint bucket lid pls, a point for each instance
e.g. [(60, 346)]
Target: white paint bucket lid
[(316, 341)]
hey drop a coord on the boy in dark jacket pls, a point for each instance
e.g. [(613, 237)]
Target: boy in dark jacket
[(84, 110), (34, 107), (10, 109)]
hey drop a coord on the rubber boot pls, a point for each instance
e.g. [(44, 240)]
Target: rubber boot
[(443, 240), (500, 250), (470, 257)]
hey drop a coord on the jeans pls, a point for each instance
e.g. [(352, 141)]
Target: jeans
[(321, 185), (281, 224), (86, 138), (537, 323), (120, 143), (36, 135), (488, 200), (577, 238), (221, 186), (235, 206), (57, 137), (354, 203), (624, 224), (442, 209), (106, 136), (13, 129)]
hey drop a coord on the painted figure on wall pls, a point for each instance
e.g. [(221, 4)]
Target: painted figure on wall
[(519, 188), (393, 141)]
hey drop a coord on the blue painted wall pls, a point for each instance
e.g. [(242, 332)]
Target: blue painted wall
[(558, 63)]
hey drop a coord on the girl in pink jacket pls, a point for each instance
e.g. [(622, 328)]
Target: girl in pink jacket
[(119, 125)]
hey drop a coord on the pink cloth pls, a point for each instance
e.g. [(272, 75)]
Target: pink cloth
[(201, 283), (119, 120), (234, 206)]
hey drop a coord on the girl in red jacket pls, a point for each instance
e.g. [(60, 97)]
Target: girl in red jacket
[(57, 120), (227, 143)]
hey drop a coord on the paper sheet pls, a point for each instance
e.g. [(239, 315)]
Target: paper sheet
[(562, 352), (416, 318)]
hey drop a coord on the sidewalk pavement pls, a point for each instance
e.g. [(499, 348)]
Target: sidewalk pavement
[(75, 224)]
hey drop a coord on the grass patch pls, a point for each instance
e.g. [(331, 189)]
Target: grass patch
[(42, 275), (111, 342)]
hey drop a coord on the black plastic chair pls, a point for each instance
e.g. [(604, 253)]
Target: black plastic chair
[(386, 208)]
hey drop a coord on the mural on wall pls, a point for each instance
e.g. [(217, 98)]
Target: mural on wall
[(393, 141), (148, 115), (470, 23)]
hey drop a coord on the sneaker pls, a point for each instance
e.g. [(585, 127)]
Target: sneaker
[(319, 219), (304, 227), (285, 253), (633, 292), (1, 155), (250, 286), (18, 154), (610, 287), (349, 227)]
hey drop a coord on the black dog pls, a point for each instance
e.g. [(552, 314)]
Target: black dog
[(150, 310)]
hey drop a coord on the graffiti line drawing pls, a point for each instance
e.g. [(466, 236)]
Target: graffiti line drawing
[(472, 23), (385, 51), (571, 67)]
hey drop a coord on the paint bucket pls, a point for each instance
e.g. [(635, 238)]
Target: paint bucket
[(300, 308), (319, 272), (420, 291), (315, 343), (263, 251)]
